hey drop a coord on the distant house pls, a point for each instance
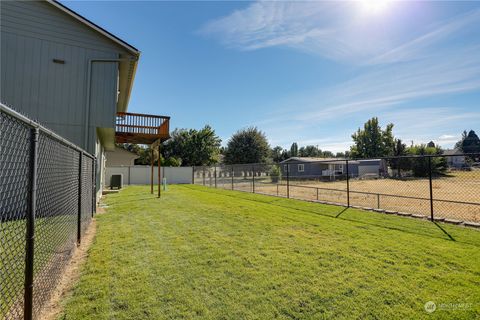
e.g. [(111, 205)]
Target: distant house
[(455, 159), (328, 168), (121, 158)]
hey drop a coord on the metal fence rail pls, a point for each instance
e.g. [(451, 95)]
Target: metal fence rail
[(435, 187), (47, 190)]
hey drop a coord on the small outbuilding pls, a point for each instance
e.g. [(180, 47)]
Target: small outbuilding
[(120, 157), (455, 158)]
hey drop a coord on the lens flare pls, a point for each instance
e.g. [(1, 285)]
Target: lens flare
[(374, 6)]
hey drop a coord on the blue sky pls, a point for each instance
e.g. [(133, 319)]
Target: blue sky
[(310, 72)]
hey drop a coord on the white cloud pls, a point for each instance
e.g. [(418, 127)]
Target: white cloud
[(316, 26), (334, 29), (447, 137), (419, 46), (392, 72)]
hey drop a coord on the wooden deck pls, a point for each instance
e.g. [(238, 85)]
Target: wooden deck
[(141, 128)]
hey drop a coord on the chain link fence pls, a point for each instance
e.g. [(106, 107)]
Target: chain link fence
[(435, 187), (47, 201)]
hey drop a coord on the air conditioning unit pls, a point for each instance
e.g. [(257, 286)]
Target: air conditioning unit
[(116, 181)]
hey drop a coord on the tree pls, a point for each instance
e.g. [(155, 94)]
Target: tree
[(459, 144), (399, 150), (193, 147), (309, 151), (327, 154), (471, 143), (277, 154), (294, 150), (247, 146), (372, 141), (420, 166), (144, 153)]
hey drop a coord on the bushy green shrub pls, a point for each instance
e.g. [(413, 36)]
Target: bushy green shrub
[(275, 174)]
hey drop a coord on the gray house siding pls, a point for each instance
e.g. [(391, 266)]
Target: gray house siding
[(33, 33), (314, 169), (310, 169)]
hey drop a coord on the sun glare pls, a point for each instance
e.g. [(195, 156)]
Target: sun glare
[(374, 6)]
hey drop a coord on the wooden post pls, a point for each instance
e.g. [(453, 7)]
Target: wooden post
[(151, 169), (159, 172)]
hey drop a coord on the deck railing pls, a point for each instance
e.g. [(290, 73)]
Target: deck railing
[(145, 124)]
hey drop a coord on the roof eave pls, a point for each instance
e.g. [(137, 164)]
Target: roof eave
[(127, 70)]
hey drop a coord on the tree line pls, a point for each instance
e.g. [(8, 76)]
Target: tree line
[(192, 147)]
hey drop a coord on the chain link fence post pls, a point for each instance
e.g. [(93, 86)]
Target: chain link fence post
[(253, 178), (348, 185), (193, 174), (231, 173), (288, 180), (215, 177), (204, 175), (30, 228), (94, 186), (79, 216), (431, 186)]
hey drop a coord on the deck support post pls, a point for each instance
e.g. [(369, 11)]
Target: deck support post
[(152, 158), (159, 172)]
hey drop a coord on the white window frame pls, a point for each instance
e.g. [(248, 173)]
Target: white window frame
[(339, 168), (301, 167)]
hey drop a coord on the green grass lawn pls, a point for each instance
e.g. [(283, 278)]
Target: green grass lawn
[(55, 237), (217, 254)]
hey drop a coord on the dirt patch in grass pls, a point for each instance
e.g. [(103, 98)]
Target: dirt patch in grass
[(70, 275), (455, 196)]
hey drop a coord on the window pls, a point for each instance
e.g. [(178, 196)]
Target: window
[(285, 167), (339, 169), (301, 168)]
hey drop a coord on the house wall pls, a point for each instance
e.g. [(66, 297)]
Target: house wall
[(138, 175), (377, 167), (33, 33), (310, 169), (456, 161), (120, 157), (315, 169)]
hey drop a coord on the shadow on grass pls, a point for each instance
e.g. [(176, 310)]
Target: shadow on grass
[(444, 231), (345, 214), (340, 213)]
